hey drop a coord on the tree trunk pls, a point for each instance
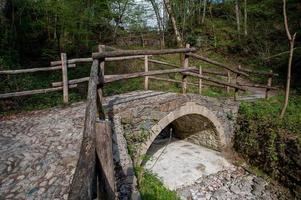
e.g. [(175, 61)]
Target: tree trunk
[(237, 15), (119, 20), (174, 23), (246, 18), (160, 23), (204, 11), (291, 40)]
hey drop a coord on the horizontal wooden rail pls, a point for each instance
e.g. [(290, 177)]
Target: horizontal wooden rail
[(189, 83), (177, 66), (70, 82), (258, 86), (31, 92), (258, 72), (88, 60), (112, 78), (163, 63), (21, 71), (214, 80), (216, 63), (72, 61), (141, 52)]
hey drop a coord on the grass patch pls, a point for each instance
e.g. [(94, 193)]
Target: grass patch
[(151, 188)]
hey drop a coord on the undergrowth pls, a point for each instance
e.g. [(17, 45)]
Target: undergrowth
[(270, 143), (151, 188)]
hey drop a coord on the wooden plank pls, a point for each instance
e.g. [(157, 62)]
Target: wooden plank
[(215, 81), (31, 92), (258, 86), (88, 60), (70, 82), (216, 63), (146, 70), (259, 72), (105, 156), (72, 61), (112, 78), (163, 63), (184, 77), (237, 83), (31, 70), (205, 71), (65, 77), (269, 85), (229, 81), (141, 52), (188, 83), (124, 58), (81, 187), (200, 80)]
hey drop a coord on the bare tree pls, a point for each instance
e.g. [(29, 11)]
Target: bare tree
[(174, 23), (245, 18), (291, 40), (160, 23), (237, 15), (204, 10), (122, 6)]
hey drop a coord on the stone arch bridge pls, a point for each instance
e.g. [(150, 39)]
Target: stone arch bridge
[(40, 149), (139, 117)]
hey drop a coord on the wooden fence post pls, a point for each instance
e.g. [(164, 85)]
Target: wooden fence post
[(200, 80), (101, 48), (146, 70), (185, 65), (237, 83), (229, 80), (269, 85), (65, 77)]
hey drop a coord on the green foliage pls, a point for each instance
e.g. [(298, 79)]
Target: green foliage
[(268, 142), (151, 188)]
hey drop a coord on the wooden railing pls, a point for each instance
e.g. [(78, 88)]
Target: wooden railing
[(84, 185), (114, 54), (90, 169)]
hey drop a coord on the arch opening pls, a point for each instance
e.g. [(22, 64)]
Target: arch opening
[(186, 148)]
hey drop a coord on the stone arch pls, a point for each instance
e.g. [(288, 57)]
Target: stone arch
[(190, 108)]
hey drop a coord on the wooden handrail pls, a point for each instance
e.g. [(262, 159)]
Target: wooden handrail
[(111, 54), (258, 72), (31, 70), (81, 187), (88, 60), (31, 92), (188, 83), (215, 80), (112, 78), (217, 64)]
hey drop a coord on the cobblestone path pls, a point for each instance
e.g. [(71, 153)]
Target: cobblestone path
[(39, 152)]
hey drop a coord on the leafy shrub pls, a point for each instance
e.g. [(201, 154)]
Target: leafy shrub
[(269, 142)]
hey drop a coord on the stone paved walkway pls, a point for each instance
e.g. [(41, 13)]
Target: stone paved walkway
[(39, 152)]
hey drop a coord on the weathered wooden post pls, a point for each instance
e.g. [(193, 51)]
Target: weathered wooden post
[(269, 85), (146, 70), (65, 77), (200, 80), (237, 83), (185, 65), (228, 80), (101, 48)]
